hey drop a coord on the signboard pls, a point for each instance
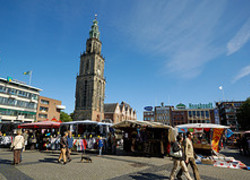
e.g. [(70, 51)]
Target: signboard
[(201, 106), (148, 108), (180, 106), (10, 79)]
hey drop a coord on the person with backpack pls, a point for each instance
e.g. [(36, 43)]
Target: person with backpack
[(178, 158)]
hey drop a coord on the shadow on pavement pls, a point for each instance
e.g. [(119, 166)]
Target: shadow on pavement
[(5, 161), (148, 176), (49, 160)]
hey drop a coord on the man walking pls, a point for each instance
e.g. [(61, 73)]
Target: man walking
[(64, 146), (189, 157)]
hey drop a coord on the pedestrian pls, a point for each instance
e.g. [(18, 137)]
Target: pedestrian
[(70, 145), (25, 136), (245, 145), (113, 144), (189, 157), (64, 146), (179, 160), (17, 146), (33, 140), (100, 145)]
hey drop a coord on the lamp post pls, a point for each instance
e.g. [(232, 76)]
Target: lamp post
[(221, 88)]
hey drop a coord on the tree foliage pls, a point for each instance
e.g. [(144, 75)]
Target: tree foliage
[(243, 115), (64, 117)]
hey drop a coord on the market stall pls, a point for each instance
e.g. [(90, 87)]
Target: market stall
[(148, 138), (207, 136), (206, 143), (86, 133), (7, 132), (43, 135)]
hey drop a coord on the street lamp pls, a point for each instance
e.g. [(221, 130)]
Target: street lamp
[(221, 88)]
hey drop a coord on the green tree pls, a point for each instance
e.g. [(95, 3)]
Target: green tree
[(64, 117), (243, 115), (72, 115)]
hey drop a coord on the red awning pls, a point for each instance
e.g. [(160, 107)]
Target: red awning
[(41, 125)]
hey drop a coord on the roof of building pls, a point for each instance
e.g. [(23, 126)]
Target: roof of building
[(110, 107), (15, 82)]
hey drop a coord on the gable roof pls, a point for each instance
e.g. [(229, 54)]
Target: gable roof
[(110, 107)]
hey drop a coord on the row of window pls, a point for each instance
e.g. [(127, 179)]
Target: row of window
[(17, 113), (149, 113), (20, 93), (200, 121), (163, 117), (198, 114), (17, 103), (149, 118)]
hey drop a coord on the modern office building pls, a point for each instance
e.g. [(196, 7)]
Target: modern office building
[(18, 101), (228, 113), (48, 109)]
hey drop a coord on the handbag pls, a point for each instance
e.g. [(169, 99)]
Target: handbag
[(12, 147), (176, 154)]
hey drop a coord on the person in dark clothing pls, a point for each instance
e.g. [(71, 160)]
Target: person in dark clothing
[(64, 147), (179, 161), (70, 145)]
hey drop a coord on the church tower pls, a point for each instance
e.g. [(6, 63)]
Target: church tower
[(90, 85)]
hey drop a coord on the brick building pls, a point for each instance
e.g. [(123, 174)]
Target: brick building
[(119, 112), (48, 109)]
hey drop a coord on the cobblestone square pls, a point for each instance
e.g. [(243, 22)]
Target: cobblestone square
[(43, 165)]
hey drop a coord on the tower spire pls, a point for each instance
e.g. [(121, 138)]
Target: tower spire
[(94, 32)]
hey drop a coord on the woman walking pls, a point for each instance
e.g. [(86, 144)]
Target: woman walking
[(179, 159), (17, 145)]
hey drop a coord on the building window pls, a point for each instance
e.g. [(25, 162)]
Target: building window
[(3, 89), (45, 109), (190, 114), (43, 116), (44, 102), (207, 114), (12, 91)]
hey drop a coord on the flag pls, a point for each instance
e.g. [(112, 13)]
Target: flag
[(9, 79), (27, 73), (220, 88)]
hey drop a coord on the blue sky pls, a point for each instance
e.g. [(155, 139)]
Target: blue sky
[(155, 51)]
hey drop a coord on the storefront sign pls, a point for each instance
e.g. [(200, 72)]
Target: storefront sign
[(216, 138), (201, 106), (10, 79), (180, 106), (148, 108)]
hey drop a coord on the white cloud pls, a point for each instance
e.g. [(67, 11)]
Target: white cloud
[(242, 73), (184, 33), (240, 39)]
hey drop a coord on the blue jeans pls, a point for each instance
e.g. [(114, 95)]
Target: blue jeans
[(100, 151)]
